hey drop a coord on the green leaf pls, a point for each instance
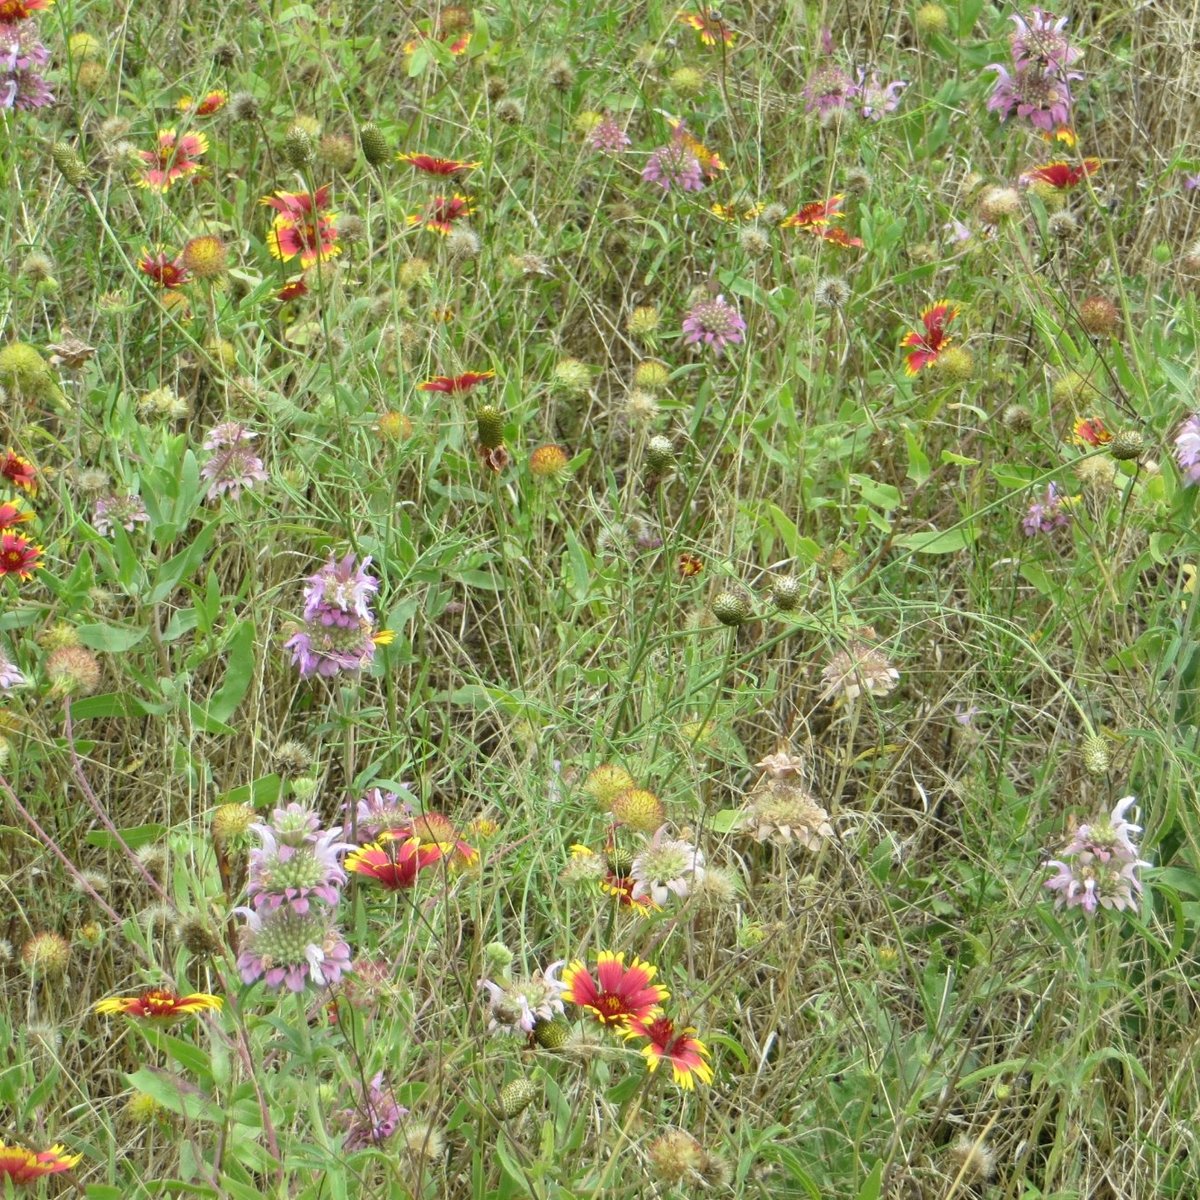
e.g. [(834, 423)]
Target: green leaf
[(135, 837), (871, 1189), (112, 639), (961, 460), (934, 541), (725, 820), (258, 793), (176, 1095), (182, 566), (239, 674), (918, 460)]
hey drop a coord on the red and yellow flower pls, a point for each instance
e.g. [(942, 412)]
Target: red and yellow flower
[(19, 472), (620, 888), (295, 287), (160, 1004), (395, 863), (730, 214), (433, 827), (925, 345), (12, 11), (817, 215), (708, 24), (440, 213), (208, 105), (1063, 175), (166, 271), (304, 225), (686, 1054), (431, 165), (454, 384), (1091, 431), (175, 158), (24, 1166), (12, 515), (689, 565), (19, 556), (456, 45), (618, 994)]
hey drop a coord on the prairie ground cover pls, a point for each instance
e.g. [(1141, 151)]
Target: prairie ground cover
[(599, 600)]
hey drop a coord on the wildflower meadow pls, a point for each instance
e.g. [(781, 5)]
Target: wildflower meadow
[(599, 600)]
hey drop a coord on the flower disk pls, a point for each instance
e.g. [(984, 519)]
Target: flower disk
[(618, 994)]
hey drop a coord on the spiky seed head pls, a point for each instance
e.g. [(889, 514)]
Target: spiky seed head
[(552, 1034), (231, 821), (509, 111), (336, 151), (785, 592), (197, 938), (1127, 444), (1099, 316), (731, 608), (298, 147), (652, 374), (638, 809), (559, 74), (516, 1096), (955, 364), (489, 422), (973, 1159), (676, 1156), (660, 454), (73, 671), (643, 323), (46, 955), (607, 781), (375, 148), (998, 203), (687, 81), (244, 106), (931, 19), (1062, 225), (620, 860), (1094, 753), (69, 163)]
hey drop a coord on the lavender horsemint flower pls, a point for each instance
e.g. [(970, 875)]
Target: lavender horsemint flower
[(608, 137), (875, 97), (1038, 89), (715, 322), (1039, 42), (1098, 867), (828, 90), (285, 948), (1187, 449), (675, 165), (233, 464), (10, 674), (374, 1117), (112, 510), (338, 632), (1045, 516), (22, 55), (517, 1005)]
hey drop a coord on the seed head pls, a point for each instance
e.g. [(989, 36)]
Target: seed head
[(972, 1159), (142, 1109), (641, 407), (462, 242), (244, 106), (998, 203), (1094, 755), (37, 267), (731, 608), (548, 462), (573, 376), (230, 822), (1127, 445), (197, 938), (607, 781), (516, 1096), (639, 810), (644, 321), (509, 111), (955, 364), (206, 257), (785, 593), (832, 292), (559, 74), (84, 46), (754, 241), (293, 759), (552, 1034), (374, 145), (687, 81), (858, 181), (69, 163), (660, 454), (298, 147), (1099, 316), (1062, 225), (652, 374), (489, 422), (676, 1156), (1072, 388), (930, 20), (337, 151), (46, 956), (73, 671)]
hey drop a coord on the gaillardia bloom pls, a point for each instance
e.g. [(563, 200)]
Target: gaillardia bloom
[(1062, 175), (12, 515), (19, 472), (924, 346), (166, 271), (454, 384), (820, 219), (160, 1004), (431, 165), (176, 158), (1091, 431), (304, 225), (24, 1166), (19, 556), (679, 1047), (208, 105), (618, 994), (395, 864), (709, 25), (440, 213), (12, 11)]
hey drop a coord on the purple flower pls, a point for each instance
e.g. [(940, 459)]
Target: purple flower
[(21, 56), (674, 165), (343, 585), (715, 322), (1108, 837), (1048, 515), (829, 89), (379, 810), (876, 98), (1041, 98), (374, 1117), (1039, 42), (233, 465), (608, 137), (10, 674), (956, 232), (1098, 867), (1187, 449), (1191, 182), (517, 1005), (113, 510), (284, 947), (283, 875)]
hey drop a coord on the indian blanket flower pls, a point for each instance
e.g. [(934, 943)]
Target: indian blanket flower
[(431, 165), (876, 97), (829, 89), (674, 165), (441, 212), (926, 345), (821, 218), (374, 1117), (453, 385), (1091, 431), (19, 472), (127, 511), (1062, 175), (12, 515), (395, 863), (1187, 449), (233, 464), (19, 556), (1039, 42), (666, 867), (338, 633), (665, 1043), (17, 1164), (164, 270), (304, 226), (713, 322), (176, 157), (709, 26), (1047, 514), (285, 948), (607, 137), (1098, 867), (159, 1004), (517, 1005), (208, 105), (10, 674), (710, 160), (13, 11), (617, 994)]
